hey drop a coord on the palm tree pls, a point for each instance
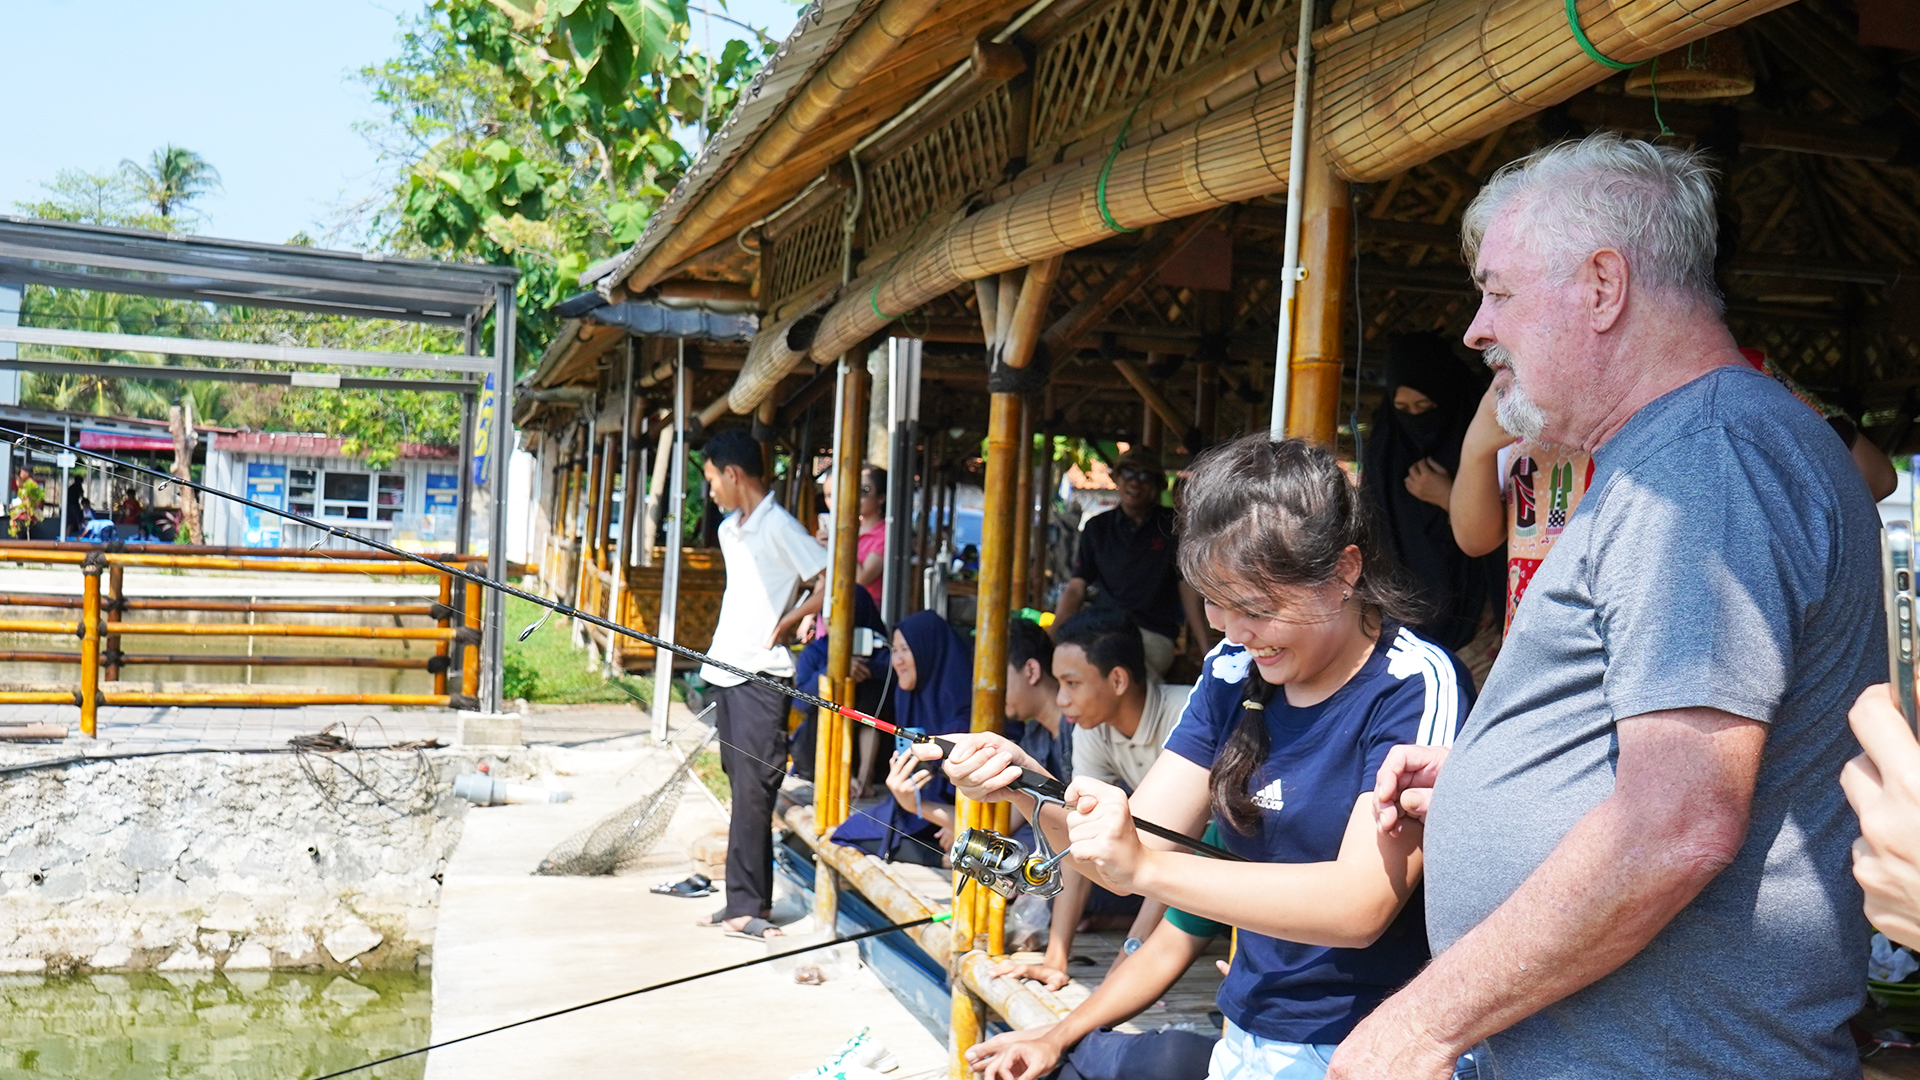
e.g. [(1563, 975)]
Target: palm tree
[(174, 177)]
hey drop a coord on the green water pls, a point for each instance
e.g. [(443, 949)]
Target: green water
[(238, 1026)]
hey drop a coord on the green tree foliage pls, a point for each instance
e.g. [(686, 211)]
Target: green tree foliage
[(172, 179), (96, 199), (543, 133)]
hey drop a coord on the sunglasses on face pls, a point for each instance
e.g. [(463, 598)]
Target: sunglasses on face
[(1140, 476)]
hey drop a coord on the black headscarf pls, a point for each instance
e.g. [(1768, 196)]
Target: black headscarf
[(1456, 588)]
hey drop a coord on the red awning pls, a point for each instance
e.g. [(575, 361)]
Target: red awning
[(114, 440)]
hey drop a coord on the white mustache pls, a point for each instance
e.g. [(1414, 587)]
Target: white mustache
[(1496, 358)]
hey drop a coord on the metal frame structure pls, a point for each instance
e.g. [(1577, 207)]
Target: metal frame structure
[(293, 278)]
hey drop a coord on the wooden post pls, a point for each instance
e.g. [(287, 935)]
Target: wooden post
[(1326, 231), (1040, 522), (833, 751), (470, 656), (992, 604), (1022, 511), (583, 569), (90, 647), (116, 595)]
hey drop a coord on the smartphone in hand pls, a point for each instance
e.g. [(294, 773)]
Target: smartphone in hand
[(1897, 578)]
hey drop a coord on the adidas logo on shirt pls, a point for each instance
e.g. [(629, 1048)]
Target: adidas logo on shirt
[(1270, 797)]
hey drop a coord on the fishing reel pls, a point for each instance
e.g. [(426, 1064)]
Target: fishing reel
[(1004, 864)]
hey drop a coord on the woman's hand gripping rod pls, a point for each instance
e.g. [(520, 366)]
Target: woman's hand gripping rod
[(1042, 787)]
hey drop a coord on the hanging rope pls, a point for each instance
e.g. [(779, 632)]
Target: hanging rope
[(1119, 144), (1579, 35)]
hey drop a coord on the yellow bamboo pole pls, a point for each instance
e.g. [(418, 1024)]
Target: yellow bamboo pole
[(833, 749), (470, 661), (141, 697), (90, 648), (1313, 394), (40, 626), (393, 633), (116, 600), (39, 697)]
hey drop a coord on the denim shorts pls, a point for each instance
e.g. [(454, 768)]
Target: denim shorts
[(1240, 1055)]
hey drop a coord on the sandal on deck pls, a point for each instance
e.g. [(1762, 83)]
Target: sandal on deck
[(756, 929), (696, 885)]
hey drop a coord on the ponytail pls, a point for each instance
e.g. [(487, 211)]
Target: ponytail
[(1231, 778)]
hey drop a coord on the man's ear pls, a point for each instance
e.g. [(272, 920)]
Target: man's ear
[(1030, 671), (1120, 679), (1609, 276)]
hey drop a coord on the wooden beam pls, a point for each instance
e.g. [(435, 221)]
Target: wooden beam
[(1151, 394), (1064, 335), (1758, 130), (1021, 334)]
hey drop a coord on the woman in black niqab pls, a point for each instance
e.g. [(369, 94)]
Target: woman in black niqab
[(1455, 587)]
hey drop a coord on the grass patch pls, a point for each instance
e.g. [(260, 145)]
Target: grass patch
[(548, 669), (706, 766)]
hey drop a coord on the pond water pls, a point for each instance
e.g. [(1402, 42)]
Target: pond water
[(198, 1026)]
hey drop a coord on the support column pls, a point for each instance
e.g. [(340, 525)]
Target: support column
[(499, 454), (90, 645), (676, 539), (833, 750), (1022, 512), (974, 918), (1326, 243), (116, 597)]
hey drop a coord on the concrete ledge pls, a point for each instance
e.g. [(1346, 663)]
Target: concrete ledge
[(489, 729)]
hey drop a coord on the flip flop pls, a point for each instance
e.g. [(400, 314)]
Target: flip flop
[(696, 885), (718, 918), (756, 929)]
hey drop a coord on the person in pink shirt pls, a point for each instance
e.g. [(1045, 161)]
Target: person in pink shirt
[(870, 552)]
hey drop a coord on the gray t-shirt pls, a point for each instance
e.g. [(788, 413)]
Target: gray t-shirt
[(1725, 555)]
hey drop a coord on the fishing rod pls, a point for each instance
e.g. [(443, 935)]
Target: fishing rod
[(1040, 787), (861, 936)]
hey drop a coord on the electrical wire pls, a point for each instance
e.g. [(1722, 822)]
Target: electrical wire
[(861, 936)]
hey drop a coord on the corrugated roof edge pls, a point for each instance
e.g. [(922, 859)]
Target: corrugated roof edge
[(826, 22)]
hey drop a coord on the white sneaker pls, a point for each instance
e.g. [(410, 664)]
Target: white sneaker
[(859, 1058)]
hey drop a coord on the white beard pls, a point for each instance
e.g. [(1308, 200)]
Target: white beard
[(1517, 412)]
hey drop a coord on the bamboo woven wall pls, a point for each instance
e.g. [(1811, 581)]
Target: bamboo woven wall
[(803, 254), (964, 155), (1404, 91)]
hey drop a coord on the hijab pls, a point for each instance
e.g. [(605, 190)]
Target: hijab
[(1454, 587), (940, 703)]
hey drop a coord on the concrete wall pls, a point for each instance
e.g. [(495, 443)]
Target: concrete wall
[(236, 861)]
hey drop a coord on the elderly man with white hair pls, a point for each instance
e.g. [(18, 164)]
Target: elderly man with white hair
[(1636, 853)]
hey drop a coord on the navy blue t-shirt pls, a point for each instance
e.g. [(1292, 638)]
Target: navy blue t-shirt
[(1319, 760)]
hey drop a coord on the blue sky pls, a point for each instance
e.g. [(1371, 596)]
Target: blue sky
[(265, 90)]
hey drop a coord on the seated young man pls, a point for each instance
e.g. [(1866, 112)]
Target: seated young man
[(1122, 715)]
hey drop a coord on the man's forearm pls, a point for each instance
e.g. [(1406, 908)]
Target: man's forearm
[(1147, 975), (1611, 885), (1071, 597)]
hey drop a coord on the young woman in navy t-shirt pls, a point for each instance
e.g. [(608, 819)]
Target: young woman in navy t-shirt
[(1280, 743)]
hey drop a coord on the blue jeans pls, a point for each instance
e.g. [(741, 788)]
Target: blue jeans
[(1241, 1055)]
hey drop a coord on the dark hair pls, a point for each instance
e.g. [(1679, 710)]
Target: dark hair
[(734, 447), (1026, 641), (879, 479), (1276, 516), (1109, 637)]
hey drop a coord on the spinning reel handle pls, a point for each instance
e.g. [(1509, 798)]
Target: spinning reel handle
[(1037, 784)]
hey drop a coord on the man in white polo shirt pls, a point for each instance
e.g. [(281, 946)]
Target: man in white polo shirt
[(770, 559)]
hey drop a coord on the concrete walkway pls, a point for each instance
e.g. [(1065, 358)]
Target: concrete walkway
[(512, 945), (128, 727)]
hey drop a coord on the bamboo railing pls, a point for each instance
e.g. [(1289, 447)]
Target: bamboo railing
[(101, 623)]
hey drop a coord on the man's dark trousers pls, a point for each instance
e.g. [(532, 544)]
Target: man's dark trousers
[(752, 723)]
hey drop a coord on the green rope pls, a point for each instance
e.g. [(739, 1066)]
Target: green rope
[(1579, 35), (1653, 83), (1119, 144)]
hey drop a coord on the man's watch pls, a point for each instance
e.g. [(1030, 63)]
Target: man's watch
[(1131, 946)]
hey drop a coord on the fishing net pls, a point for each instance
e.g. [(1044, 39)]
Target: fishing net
[(620, 839)]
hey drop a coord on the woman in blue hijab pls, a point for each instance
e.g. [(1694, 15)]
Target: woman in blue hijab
[(933, 693)]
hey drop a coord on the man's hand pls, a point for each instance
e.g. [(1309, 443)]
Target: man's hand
[(1101, 835), (1050, 977), (1430, 482), (1485, 436), (1404, 786), (1883, 784), (1017, 1055), (1385, 1047), (982, 763), (860, 672)]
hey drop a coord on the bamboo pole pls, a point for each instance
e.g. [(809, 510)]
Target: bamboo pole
[(1392, 96), (1017, 586), (150, 697), (90, 648), (832, 747), (309, 630), (39, 697), (1313, 408), (865, 49), (588, 520), (396, 663), (44, 626), (470, 658), (82, 547), (1156, 401)]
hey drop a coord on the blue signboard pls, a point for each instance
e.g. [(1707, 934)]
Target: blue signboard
[(266, 484)]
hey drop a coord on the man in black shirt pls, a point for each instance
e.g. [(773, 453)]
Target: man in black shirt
[(1130, 555)]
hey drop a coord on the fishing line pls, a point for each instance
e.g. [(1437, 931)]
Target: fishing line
[(861, 936), (1030, 782)]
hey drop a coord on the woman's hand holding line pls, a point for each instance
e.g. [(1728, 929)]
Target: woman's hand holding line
[(1105, 845)]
